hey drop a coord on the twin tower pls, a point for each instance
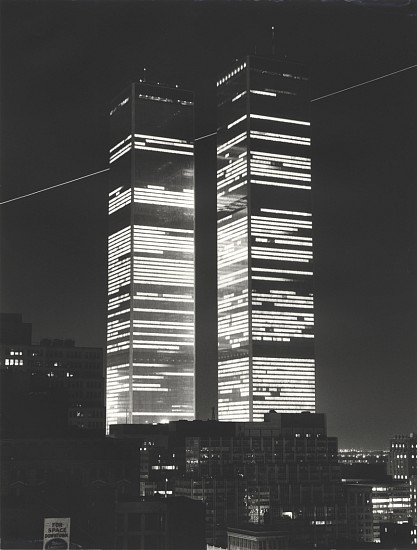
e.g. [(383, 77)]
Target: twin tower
[(264, 242)]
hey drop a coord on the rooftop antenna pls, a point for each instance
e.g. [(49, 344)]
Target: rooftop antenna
[(213, 415), (144, 74), (273, 41)]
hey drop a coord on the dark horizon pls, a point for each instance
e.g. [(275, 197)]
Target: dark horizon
[(62, 65)]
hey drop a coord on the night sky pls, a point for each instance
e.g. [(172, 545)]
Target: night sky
[(61, 65)]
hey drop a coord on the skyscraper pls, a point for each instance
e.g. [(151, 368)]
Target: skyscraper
[(150, 329), (265, 289)]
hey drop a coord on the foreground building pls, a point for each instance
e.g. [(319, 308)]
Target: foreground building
[(82, 477), (284, 468), (377, 503), (172, 523), (265, 289), (359, 512), (150, 329)]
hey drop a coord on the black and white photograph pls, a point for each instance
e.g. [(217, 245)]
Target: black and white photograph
[(208, 274)]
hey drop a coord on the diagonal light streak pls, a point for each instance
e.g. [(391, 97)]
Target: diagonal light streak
[(214, 133), (363, 83), (54, 186)]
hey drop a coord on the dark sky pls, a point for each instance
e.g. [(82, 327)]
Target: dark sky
[(62, 63)]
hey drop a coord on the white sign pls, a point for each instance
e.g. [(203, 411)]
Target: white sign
[(56, 534)]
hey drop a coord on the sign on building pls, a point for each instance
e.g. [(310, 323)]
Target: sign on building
[(56, 534)]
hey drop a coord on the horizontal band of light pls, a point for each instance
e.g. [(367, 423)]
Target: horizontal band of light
[(121, 152), (174, 325), (289, 271), (142, 229), (284, 138), (164, 139), (162, 342), (162, 334), (265, 222), (276, 184), (286, 251), (115, 191), (165, 198), (154, 310), (153, 413), (119, 201), (161, 299), (242, 118), (280, 157), (162, 150), (291, 212), (276, 119), (238, 96), (121, 143), (232, 167), (231, 143), (260, 169), (263, 92), (279, 162)]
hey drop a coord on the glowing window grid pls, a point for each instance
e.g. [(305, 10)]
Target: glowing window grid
[(265, 249), (150, 329)]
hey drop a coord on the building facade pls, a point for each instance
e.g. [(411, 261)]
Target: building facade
[(265, 291), (171, 523), (359, 512), (80, 477), (259, 472), (150, 329), (391, 503), (254, 537), (61, 384), (403, 456)]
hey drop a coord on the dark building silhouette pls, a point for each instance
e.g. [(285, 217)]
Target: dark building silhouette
[(359, 512), (49, 387), (397, 535), (257, 472), (172, 523), (82, 478)]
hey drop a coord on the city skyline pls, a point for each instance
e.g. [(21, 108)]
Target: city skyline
[(61, 65)]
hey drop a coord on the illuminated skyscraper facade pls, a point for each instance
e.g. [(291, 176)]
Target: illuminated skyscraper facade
[(265, 289), (150, 328)]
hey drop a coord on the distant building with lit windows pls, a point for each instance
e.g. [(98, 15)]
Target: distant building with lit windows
[(150, 328), (403, 456), (50, 387), (265, 289)]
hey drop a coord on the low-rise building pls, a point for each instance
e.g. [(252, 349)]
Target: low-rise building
[(257, 537), (81, 478)]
